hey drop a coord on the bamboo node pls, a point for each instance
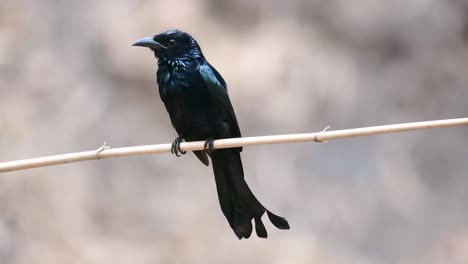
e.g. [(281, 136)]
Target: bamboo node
[(101, 149), (316, 139)]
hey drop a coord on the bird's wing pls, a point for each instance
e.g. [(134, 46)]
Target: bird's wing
[(218, 89), (212, 77), (218, 76)]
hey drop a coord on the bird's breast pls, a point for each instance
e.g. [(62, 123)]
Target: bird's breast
[(189, 109), (171, 83)]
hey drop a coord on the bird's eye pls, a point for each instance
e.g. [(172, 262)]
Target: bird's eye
[(171, 43)]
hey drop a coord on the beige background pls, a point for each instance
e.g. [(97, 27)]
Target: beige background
[(70, 80)]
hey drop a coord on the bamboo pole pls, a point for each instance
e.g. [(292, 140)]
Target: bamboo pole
[(105, 151)]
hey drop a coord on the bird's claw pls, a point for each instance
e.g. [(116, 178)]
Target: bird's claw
[(175, 147), (209, 146)]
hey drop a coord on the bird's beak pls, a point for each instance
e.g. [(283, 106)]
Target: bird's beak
[(149, 43)]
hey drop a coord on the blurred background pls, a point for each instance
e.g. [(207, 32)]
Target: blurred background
[(70, 80)]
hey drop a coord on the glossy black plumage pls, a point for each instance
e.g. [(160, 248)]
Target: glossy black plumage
[(196, 98)]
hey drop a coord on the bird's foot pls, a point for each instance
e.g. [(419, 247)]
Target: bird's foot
[(175, 147), (209, 146)]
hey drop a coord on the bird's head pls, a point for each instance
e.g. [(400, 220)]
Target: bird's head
[(172, 45)]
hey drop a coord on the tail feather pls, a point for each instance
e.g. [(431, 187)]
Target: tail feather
[(278, 221), (242, 228), (260, 228), (238, 203)]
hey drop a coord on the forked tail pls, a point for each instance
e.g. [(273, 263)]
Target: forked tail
[(238, 203)]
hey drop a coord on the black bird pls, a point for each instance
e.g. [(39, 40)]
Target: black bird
[(196, 98)]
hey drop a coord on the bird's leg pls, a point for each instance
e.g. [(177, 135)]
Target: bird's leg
[(175, 147), (209, 146)]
